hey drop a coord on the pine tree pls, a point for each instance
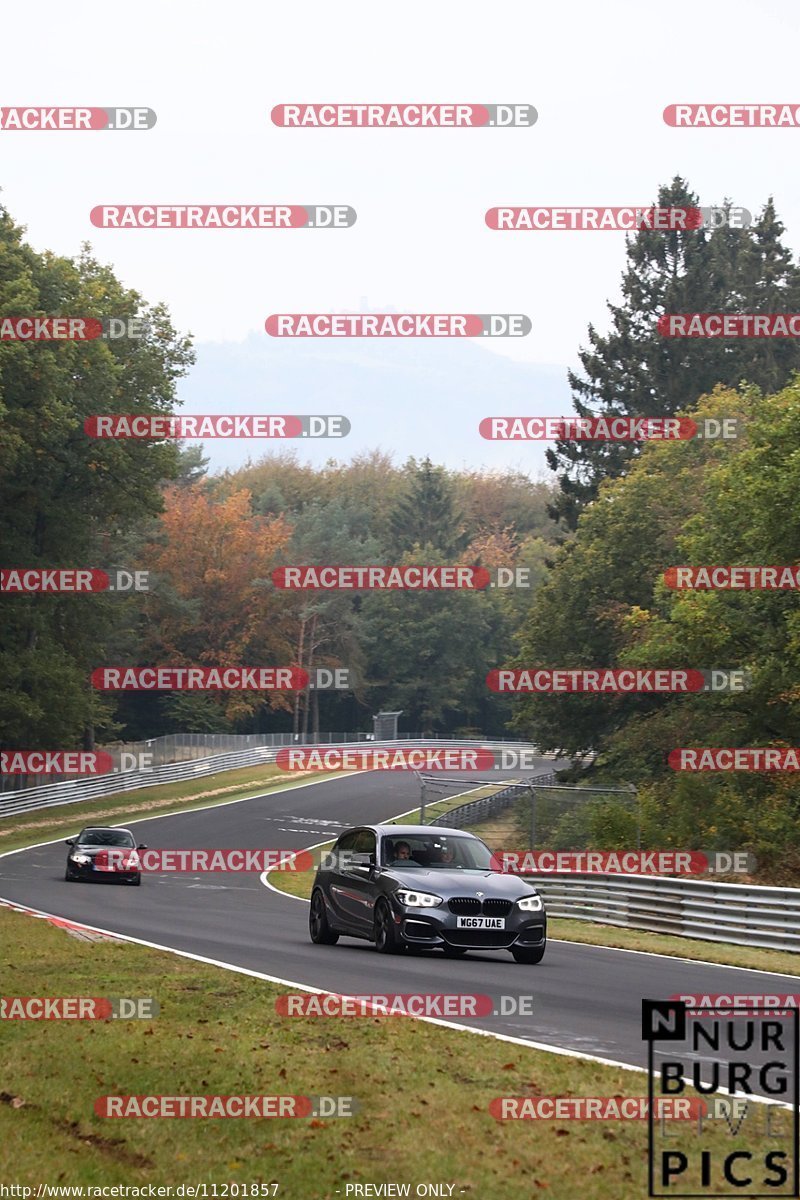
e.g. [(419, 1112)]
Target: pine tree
[(429, 513), (635, 371)]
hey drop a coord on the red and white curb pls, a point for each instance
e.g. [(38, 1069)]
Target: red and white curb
[(82, 932)]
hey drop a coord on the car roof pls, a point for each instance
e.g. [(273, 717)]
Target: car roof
[(105, 829), (392, 830)]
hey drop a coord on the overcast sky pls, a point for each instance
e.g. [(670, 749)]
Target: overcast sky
[(599, 76)]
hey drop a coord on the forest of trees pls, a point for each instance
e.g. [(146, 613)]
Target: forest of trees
[(597, 540)]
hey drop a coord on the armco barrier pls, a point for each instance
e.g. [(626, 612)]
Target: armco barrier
[(71, 791), (75, 790), (744, 914), (477, 811)]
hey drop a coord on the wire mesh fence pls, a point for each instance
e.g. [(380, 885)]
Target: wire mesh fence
[(539, 813)]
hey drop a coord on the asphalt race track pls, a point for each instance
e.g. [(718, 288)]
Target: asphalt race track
[(585, 999)]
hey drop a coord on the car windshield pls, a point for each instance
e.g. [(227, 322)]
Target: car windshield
[(106, 837), (436, 852)]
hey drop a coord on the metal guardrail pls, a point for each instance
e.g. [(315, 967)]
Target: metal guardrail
[(739, 914), (742, 914), (477, 811), (182, 747), (74, 790)]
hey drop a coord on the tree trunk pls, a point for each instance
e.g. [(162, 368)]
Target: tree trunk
[(300, 647)]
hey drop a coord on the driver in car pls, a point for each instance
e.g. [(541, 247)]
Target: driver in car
[(402, 853)]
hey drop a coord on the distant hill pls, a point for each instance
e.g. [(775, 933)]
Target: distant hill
[(410, 398)]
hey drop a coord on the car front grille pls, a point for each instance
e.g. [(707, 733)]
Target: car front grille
[(465, 906), (470, 906)]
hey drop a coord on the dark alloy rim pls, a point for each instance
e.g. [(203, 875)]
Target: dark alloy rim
[(381, 927), (316, 915)]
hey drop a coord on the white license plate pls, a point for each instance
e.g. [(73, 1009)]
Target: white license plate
[(480, 922)]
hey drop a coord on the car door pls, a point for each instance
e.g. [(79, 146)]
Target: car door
[(354, 886), (339, 885), (363, 888)]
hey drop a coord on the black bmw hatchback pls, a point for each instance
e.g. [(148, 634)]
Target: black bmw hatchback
[(422, 885), (102, 853)]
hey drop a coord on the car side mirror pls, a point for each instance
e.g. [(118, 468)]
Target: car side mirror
[(362, 864), (141, 846), (70, 842)]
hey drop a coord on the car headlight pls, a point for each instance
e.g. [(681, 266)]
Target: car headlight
[(418, 899), (80, 858), (531, 903)]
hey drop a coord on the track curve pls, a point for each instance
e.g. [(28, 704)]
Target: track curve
[(586, 999)]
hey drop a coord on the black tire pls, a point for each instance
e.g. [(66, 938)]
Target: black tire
[(454, 951), (137, 882), (384, 935), (528, 954), (319, 930)]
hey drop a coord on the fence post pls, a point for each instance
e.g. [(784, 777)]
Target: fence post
[(635, 792)]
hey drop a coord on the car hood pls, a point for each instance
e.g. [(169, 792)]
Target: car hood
[(91, 851), (460, 883)]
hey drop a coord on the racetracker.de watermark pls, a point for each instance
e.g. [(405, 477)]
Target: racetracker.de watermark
[(78, 1008), (399, 116), (188, 679), (76, 119), (403, 578), (625, 218), (232, 1106), (729, 325), (73, 762), (733, 578), (732, 116), (741, 758), (400, 325), (595, 1108), (71, 329), (26, 580), (160, 427), (603, 681), (223, 216), (605, 429), (762, 1004), (623, 862), (202, 861), (374, 758), (403, 1004)]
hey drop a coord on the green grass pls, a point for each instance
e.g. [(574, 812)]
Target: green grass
[(777, 961), (424, 1090)]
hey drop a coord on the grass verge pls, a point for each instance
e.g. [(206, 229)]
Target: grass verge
[(424, 1090), (777, 961)]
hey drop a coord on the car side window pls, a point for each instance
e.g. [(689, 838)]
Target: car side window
[(365, 842), (347, 842)]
